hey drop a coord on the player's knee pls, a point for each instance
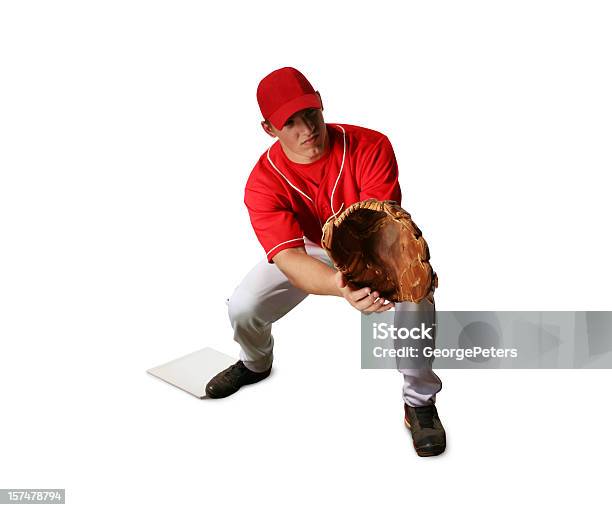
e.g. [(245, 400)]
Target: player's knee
[(242, 306)]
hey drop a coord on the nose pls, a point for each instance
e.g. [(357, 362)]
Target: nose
[(307, 123)]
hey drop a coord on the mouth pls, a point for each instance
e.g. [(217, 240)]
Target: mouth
[(312, 140)]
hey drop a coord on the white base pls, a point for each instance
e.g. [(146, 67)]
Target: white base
[(192, 372)]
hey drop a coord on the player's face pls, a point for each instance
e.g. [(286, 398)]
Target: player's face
[(304, 136)]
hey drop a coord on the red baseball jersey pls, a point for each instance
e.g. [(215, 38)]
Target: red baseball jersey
[(288, 201)]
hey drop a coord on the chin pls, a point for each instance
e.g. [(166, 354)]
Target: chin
[(318, 150), (315, 153)]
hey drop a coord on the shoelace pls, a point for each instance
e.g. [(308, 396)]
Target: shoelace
[(235, 372), (425, 416)]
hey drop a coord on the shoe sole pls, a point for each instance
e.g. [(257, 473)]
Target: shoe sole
[(430, 451), (216, 396)]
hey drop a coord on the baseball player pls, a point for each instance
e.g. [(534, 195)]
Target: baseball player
[(313, 172)]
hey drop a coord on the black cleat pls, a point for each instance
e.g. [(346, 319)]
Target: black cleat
[(232, 379), (428, 436)]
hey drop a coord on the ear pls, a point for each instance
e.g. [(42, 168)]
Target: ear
[(267, 127), (317, 93)]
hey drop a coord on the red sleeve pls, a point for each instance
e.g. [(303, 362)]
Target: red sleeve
[(273, 221), (379, 173)]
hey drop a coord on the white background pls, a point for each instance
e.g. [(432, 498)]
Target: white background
[(127, 132)]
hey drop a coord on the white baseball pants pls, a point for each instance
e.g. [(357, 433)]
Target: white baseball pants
[(265, 295)]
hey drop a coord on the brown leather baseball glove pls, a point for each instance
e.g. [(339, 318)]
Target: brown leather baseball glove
[(376, 244)]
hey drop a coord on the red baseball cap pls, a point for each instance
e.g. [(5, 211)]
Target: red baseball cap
[(284, 92)]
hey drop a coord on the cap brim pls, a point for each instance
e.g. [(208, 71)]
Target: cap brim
[(280, 116)]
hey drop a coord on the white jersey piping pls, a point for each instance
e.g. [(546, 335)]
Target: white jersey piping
[(284, 242), (331, 201)]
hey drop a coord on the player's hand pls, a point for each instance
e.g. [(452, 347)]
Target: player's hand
[(365, 300)]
